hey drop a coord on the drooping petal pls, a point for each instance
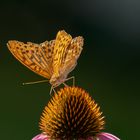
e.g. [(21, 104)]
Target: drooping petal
[(40, 137), (106, 136)]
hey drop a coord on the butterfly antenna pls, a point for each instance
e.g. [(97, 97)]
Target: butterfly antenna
[(36, 82)]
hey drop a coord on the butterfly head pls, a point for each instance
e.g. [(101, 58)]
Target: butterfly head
[(56, 80)]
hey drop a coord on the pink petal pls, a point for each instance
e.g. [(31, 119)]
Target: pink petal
[(106, 136), (40, 137)]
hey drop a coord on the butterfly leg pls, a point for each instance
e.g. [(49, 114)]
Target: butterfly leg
[(52, 89), (73, 80), (65, 84)]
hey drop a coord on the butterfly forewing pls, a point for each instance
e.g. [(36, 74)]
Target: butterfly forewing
[(60, 50), (32, 56)]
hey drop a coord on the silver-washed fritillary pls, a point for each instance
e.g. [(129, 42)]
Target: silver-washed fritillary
[(53, 59)]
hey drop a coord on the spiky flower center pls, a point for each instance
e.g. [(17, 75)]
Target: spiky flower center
[(71, 114)]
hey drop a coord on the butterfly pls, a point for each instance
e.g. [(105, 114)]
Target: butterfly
[(53, 59)]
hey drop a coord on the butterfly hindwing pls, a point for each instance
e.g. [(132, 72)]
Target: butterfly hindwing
[(73, 53), (47, 49)]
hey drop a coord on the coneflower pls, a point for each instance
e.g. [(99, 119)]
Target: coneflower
[(72, 114)]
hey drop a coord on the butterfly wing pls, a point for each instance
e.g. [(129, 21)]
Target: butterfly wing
[(60, 51), (37, 57), (73, 53), (47, 49)]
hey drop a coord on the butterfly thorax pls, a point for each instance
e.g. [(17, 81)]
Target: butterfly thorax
[(57, 79)]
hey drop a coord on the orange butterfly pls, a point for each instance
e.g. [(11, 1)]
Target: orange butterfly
[(53, 59)]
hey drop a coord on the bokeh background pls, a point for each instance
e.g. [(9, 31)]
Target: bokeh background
[(108, 68)]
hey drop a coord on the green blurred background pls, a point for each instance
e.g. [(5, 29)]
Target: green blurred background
[(108, 67)]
